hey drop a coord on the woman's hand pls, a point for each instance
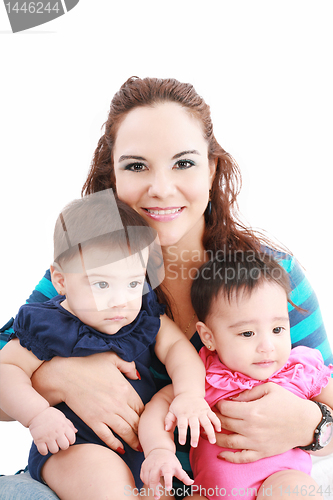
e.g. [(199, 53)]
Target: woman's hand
[(95, 389), (265, 421)]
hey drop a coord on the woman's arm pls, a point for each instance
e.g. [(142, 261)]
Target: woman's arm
[(266, 421), (326, 397), (97, 379)]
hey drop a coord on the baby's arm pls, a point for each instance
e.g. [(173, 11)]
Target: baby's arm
[(50, 429), (187, 372), (158, 444), (325, 397)]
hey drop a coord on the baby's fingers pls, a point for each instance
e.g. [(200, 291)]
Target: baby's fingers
[(215, 420), (182, 424), (184, 477), (194, 425), (70, 434), (207, 424), (170, 421), (42, 448)]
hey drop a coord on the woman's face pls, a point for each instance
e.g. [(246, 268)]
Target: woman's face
[(162, 170)]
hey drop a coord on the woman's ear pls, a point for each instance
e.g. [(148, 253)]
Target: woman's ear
[(212, 171), (58, 279), (206, 335)]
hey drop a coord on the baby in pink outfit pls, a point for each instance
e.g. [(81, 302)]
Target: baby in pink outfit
[(242, 307), (245, 328)]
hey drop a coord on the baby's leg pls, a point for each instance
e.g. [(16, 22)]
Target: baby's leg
[(288, 484), (89, 472)]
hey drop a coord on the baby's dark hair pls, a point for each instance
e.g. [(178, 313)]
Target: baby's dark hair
[(99, 220), (237, 271)]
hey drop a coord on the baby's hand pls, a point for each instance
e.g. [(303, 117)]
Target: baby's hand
[(52, 431), (162, 463), (192, 411)]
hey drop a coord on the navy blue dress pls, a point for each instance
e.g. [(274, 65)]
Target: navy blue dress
[(48, 330)]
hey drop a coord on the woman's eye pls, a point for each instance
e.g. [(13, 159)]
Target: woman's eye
[(102, 285), (247, 334), (278, 329), (184, 164), (136, 167)]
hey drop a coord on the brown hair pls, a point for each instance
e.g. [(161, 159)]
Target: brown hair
[(100, 221), (238, 271), (223, 228)]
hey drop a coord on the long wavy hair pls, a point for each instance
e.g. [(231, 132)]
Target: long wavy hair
[(223, 229)]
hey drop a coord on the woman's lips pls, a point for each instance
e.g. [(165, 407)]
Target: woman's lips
[(163, 214)]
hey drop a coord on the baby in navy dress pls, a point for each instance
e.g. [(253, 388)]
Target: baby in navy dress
[(106, 262), (242, 306)]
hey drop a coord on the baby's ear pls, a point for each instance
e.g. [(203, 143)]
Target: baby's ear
[(206, 335), (58, 279)]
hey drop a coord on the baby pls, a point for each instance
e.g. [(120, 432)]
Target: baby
[(242, 306), (104, 254)]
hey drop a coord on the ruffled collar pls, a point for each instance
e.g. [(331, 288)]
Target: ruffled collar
[(48, 330), (129, 342), (230, 383)]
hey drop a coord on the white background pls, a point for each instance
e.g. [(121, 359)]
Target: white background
[(265, 68)]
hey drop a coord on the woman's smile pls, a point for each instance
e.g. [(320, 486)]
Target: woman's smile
[(163, 214)]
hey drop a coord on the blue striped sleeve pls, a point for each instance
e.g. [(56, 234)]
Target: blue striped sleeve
[(44, 291), (306, 328)]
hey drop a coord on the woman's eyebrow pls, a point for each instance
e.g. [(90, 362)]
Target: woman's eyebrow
[(131, 157), (183, 153)]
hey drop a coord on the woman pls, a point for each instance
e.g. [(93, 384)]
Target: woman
[(160, 155)]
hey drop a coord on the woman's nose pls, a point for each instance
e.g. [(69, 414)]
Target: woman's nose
[(161, 184)]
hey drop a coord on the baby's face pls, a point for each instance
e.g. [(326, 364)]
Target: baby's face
[(251, 334), (107, 297)]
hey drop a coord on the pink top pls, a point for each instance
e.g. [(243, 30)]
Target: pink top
[(304, 374)]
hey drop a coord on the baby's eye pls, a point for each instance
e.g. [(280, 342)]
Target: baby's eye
[(102, 285), (247, 334), (278, 329), (134, 284)]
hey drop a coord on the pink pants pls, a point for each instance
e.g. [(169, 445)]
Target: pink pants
[(215, 478)]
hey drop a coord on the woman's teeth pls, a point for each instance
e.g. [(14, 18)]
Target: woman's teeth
[(163, 212)]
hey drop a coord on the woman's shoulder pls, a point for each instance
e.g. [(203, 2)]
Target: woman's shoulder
[(284, 258)]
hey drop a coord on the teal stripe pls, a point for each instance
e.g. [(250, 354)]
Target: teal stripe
[(159, 375), (46, 288), (287, 264), (325, 349), (309, 325), (184, 459), (302, 292), (2, 343)]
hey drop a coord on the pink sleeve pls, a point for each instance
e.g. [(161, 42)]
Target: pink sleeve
[(316, 373)]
